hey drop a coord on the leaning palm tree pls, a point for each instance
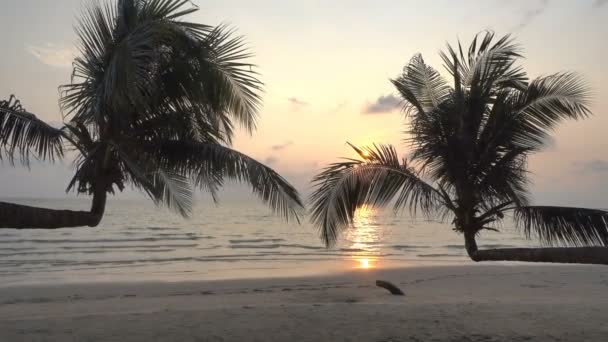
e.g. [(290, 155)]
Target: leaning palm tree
[(153, 104), (469, 142)]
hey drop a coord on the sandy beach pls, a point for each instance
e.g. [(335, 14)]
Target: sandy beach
[(451, 303)]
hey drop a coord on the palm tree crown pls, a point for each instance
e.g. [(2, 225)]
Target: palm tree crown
[(153, 103), (469, 141)]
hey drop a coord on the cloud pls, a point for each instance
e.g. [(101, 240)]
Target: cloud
[(594, 166), (53, 55), (550, 144), (384, 104), (531, 14), (271, 160), (283, 146), (338, 108), (599, 3), (56, 124), (296, 103)]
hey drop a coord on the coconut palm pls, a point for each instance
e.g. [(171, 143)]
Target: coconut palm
[(469, 142), (153, 104)]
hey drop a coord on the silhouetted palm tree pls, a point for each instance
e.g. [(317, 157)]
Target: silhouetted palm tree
[(152, 104), (469, 144)]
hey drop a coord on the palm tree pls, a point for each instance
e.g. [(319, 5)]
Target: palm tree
[(469, 144), (153, 104)]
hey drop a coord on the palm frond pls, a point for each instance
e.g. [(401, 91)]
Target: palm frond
[(174, 10), (163, 186), (24, 134), (374, 180), (231, 82), (125, 53), (504, 178), (491, 63), (421, 86), (564, 225), (208, 164), (183, 124), (84, 97), (173, 190), (548, 101)]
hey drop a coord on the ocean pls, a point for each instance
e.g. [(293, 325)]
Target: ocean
[(138, 241)]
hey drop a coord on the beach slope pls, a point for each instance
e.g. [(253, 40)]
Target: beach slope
[(452, 303)]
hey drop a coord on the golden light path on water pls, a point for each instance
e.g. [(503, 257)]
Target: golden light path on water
[(363, 236)]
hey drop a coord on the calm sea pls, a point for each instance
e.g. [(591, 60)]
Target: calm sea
[(237, 239)]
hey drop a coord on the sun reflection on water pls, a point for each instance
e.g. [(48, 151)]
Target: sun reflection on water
[(365, 263), (364, 238)]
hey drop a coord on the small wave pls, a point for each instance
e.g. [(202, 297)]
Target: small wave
[(496, 246), (14, 249), (255, 240), (154, 250), (153, 228), (4, 255), (454, 246), (295, 245), (8, 235), (480, 246), (353, 250), (151, 239), (276, 245), (406, 247), (128, 246), (255, 246), (37, 265), (209, 247), (439, 255)]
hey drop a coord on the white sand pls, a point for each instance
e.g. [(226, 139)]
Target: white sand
[(455, 303)]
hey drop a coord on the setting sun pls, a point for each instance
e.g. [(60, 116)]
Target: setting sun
[(364, 263), (363, 213)]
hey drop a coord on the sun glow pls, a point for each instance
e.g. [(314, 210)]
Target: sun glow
[(365, 263), (363, 215), (363, 237)]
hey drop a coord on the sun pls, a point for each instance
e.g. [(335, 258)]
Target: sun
[(363, 214), (365, 263)]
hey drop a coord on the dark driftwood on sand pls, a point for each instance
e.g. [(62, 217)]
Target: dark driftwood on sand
[(390, 287)]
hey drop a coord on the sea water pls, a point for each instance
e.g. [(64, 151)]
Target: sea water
[(138, 241)]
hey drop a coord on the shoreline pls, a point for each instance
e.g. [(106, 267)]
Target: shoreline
[(481, 302)]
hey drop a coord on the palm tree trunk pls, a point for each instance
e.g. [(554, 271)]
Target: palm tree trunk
[(25, 217), (470, 245), (569, 255)]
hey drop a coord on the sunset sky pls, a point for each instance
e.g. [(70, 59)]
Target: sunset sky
[(326, 66)]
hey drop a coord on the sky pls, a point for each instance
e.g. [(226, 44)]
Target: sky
[(326, 66)]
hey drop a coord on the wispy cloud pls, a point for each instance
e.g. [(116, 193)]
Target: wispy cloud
[(53, 55), (594, 166), (338, 108), (56, 124), (531, 14), (384, 104), (296, 103), (599, 3), (271, 160), (282, 146)]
